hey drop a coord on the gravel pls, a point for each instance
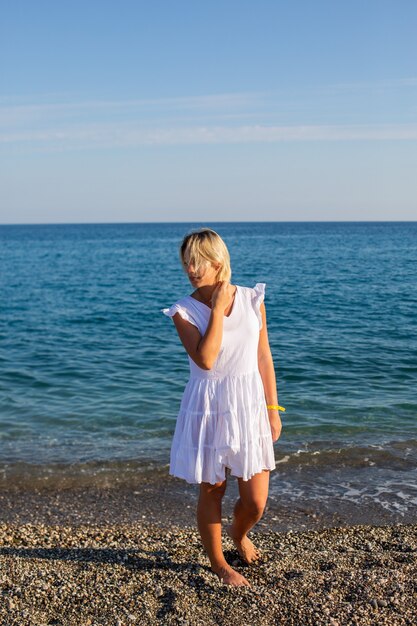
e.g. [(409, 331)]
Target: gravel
[(142, 573)]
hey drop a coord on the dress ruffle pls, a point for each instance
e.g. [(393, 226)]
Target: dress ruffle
[(177, 308), (258, 297), (222, 423)]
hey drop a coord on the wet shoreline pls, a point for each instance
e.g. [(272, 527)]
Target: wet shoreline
[(163, 500)]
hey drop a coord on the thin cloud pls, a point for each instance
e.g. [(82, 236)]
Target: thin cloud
[(29, 112), (266, 108), (108, 136)]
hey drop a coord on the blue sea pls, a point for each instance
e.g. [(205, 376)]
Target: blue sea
[(92, 373)]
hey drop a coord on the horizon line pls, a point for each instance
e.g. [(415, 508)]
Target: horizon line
[(343, 221)]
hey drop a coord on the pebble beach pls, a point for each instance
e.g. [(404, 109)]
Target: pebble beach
[(143, 572)]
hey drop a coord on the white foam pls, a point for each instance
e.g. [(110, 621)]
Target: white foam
[(285, 459)]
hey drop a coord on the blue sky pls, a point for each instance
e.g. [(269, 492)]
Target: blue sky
[(185, 110)]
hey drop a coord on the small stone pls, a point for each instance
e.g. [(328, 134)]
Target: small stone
[(374, 603), (382, 603), (159, 592)]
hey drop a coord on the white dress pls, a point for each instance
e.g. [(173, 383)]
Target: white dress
[(223, 420)]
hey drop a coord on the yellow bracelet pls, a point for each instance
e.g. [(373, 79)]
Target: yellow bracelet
[(275, 406)]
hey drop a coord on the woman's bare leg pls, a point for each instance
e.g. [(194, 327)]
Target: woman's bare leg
[(248, 510), (209, 518)]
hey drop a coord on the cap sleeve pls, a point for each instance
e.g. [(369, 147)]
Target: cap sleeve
[(258, 296), (178, 308)]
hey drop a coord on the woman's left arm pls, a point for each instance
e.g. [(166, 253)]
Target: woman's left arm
[(267, 371)]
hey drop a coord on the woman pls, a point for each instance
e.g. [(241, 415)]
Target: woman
[(229, 413)]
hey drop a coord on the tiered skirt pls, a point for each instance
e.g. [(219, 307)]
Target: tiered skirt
[(222, 423)]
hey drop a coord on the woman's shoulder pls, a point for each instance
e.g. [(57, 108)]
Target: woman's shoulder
[(185, 310), (181, 303)]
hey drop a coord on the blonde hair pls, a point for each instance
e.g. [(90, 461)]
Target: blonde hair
[(205, 245)]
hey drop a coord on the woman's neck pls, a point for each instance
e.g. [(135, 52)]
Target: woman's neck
[(204, 293)]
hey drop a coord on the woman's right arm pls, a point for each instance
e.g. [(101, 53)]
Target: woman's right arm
[(203, 350)]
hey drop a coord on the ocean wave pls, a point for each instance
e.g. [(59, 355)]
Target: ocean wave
[(399, 455)]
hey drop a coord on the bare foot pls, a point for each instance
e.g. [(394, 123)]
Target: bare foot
[(244, 546), (229, 576)]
